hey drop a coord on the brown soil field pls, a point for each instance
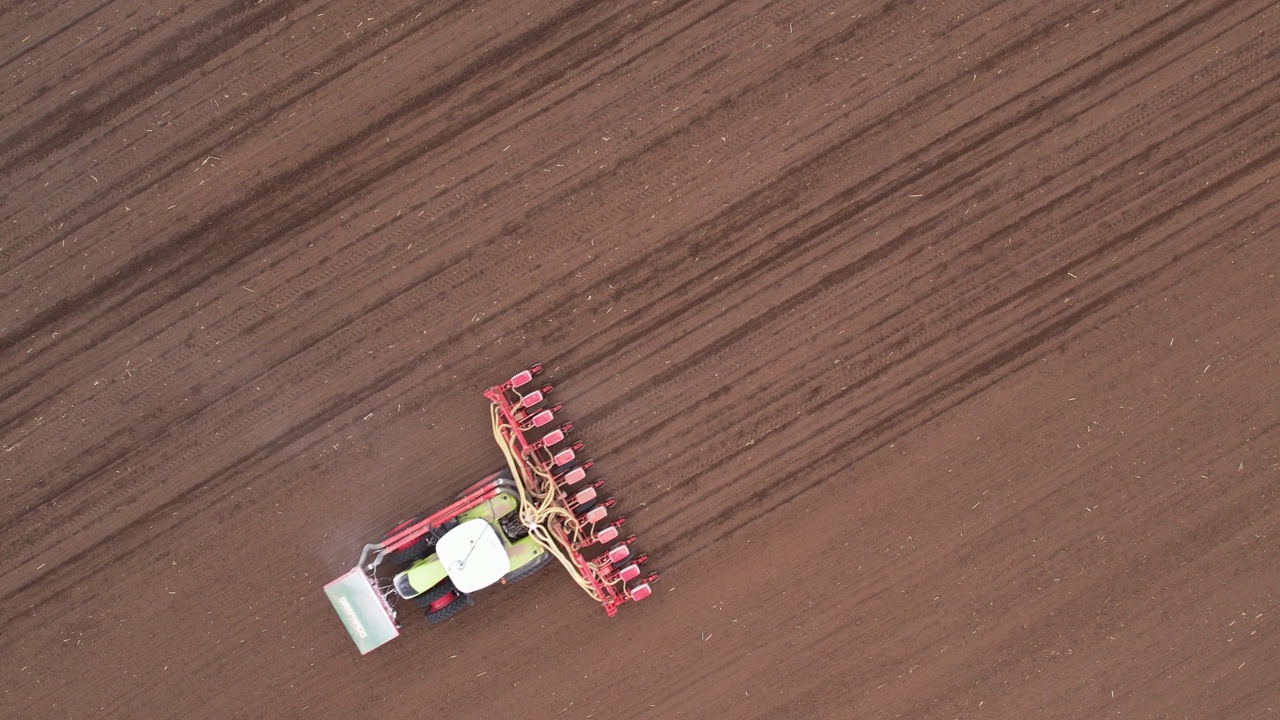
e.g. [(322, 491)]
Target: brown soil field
[(931, 349)]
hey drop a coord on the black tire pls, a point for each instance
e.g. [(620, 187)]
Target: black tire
[(527, 570), (414, 552), (462, 602), (442, 588)]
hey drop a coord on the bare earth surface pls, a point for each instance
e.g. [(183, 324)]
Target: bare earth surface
[(930, 348)]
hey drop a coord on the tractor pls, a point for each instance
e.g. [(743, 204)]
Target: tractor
[(537, 510)]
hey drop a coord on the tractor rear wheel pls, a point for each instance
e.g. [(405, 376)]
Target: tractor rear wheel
[(435, 594), (418, 550), (461, 601)]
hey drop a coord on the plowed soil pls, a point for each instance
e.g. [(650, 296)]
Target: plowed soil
[(931, 349)]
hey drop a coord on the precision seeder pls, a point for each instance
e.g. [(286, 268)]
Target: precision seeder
[(502, 529)]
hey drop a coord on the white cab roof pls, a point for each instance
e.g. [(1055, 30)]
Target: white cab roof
[(473, 555)]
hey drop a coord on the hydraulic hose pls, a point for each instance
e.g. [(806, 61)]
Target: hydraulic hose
[(539, 510)]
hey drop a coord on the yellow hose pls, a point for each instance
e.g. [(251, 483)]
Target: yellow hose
[(538, 509)]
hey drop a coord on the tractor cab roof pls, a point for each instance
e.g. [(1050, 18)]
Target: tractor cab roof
[(473, 555)]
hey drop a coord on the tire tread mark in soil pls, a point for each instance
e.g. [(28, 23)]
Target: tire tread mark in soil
[(293, 179), (19, 415), (1005, 359), (240, 323), (380, 383), (32, 360), (851, 386), (1134, 581), (191, 49), (37, 45), (903, 345), (239, 221), (213, 135), (751, 208)]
